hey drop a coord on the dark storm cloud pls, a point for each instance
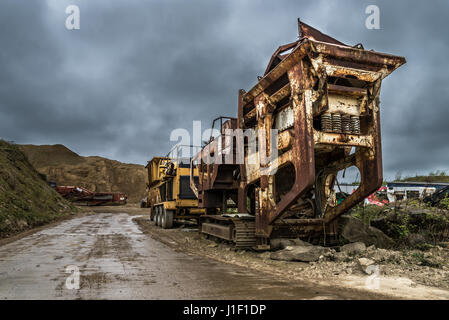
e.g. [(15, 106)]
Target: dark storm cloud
[(136, 70)]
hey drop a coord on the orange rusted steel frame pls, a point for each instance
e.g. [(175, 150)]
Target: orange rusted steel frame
[(294, 75), (369, 164)]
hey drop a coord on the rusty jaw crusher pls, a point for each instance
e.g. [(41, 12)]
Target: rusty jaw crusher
[(322, 96)]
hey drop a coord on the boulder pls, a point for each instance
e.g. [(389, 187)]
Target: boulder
[(380, 255), (354, 230), (351, 248), (340, 256), (307, 253), (364, 263), (278, 244)]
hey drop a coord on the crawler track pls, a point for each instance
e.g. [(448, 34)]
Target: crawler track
[(244, 233), (240, 231)]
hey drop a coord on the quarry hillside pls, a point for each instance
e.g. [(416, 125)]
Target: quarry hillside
[(26, 200), (65, 167)]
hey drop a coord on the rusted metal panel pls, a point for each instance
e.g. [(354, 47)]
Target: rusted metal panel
[(223, 232), (303, 151), (293, 58), (284, 119), (285, 140), (308, 32), (343, 139)]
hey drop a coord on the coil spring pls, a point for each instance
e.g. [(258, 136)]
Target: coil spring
[(336, 123), (326, 122), (355, 124), (346, 123), (340, 123)]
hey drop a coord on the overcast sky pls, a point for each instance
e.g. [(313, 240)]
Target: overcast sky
[(138, 69)]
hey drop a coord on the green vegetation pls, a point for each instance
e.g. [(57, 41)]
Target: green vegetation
[(420, 258), (411, 223), (434, 176), (444, 203), (26, 200), (366, 213)]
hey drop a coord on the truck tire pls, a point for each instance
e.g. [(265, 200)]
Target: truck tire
[(167, 219), (162, 217), (152, 214), (160, 211), (156, 216)]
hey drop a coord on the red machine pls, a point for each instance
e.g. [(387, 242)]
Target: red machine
[(378, 198), (82, 196)]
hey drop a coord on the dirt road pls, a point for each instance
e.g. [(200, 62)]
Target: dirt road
[(117, 261)]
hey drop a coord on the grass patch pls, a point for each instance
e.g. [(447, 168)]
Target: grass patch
[(26, 200), (410, 223)]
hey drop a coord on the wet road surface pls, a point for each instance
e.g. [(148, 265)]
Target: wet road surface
[(116, 261)]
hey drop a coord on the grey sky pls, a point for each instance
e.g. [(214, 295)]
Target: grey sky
[(138, 69)]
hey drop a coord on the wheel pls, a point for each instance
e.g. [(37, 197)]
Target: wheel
[(162, 217), (152, 214), (167, 219), (156, 215), (159, 215), (163, 212)]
